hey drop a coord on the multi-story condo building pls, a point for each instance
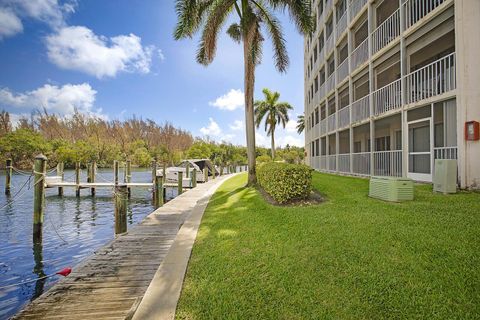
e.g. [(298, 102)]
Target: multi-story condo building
[(390, 86)]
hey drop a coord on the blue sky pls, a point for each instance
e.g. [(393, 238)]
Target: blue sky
[(118, 58)]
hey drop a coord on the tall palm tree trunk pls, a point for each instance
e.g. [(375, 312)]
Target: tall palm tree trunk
[(249, 84), (273, 144)]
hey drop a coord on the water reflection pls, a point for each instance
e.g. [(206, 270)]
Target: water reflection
[(38, 270)]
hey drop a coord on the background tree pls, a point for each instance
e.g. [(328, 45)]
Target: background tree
[(274, 112), (300, 123), (254, 19)]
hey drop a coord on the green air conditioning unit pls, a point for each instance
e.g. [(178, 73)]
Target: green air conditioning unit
[(445, 178), (391, 189)]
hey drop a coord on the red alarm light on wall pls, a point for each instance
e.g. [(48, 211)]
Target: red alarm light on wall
[(472, 130)]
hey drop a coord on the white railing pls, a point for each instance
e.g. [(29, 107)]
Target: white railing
[(387, 163), (361, 163), (329, 44), (321, 91), (387, 98), (361, 109), (344, 117), (323, 126), (328, 6), (316, 97), (331, 122), (341, 24), (416, 10), (323, 162), (332, 162), (446, 153), (355, 7), (330, 83), (360, 54), (344, 162), (316, 162), (388, 31), (321, 55), (433, 79), (342, 71)]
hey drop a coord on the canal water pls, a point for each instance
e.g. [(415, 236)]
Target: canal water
[(73, 229)]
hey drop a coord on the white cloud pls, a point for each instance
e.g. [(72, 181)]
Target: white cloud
[(232, 100), (161, 55), (10, 24), (261, 140), (78, 48), (291, 126), (62, 100), (290, 140), (212, 129), (237, 125)]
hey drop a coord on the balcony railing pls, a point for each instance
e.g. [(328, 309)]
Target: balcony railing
[(433, 79), (387, 163), (342, 71), (344, 162), (416, 10), (344, 117), (341, 24), (332, 162), (361, 109), (323, 162), (330, 83), (329, 44), (388, 31), (387, 98), (331, 122), (445, 153), (321, 91), (328, 6), (356, 6), (361, 163), (316, 162), (323, 126), (360, 54)]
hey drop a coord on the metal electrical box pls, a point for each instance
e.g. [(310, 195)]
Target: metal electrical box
[(391, 189), (445, 178)]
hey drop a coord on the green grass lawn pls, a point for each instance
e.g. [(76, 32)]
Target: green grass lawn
[(351, 257)]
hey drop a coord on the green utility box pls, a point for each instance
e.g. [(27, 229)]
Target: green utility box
[(391, 189), (445, 178)]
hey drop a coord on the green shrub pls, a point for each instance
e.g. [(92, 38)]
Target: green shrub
[(264, 159), (285, 182)]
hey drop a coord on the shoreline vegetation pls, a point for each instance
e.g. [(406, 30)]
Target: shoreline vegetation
[(87, 138)]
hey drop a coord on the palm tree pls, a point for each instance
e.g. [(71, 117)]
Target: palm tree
[(274, 113), (254, 18), (300, 123)]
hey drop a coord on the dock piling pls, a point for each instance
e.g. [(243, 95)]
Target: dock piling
[(77, 178), (93, 172), (180, 182), (8, 176), (164, 172), (158, 191), (193, 182), (187, 169), (40, 171), (120, 208), (115, 172), (205, 174), (60, 169), (128, 175), (154, 170)]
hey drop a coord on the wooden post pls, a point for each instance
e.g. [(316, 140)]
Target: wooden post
[(8, 176), (164, 172), (154, 170), (158, 192), (93, 172), (187, 169), (77, 178), (205, 174), (128, 176), (40, 171), (120, 208), (180, 182), (60, 169), (115, 172), (194, 178)]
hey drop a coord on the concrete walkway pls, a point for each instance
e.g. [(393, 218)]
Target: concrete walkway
[(138, 274)]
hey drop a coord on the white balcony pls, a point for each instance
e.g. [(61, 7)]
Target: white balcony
[(323, 126), (330, 83), (332, 162), (416, 10), (387, 163), (446, 153), (360, 54), (329, 44), (361, 163), (433, 79), (323, 162), (342, 71), (344, 117), (321, 91), (328, 6), (316, 162), (387, 98), (341, 24), (356, 6), (344, 163), (388, 31), (332, 124), (361, 109)]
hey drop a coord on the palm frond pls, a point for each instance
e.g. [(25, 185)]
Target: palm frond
[(235, 32)]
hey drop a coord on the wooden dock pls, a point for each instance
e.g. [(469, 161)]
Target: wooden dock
[(111, 283)]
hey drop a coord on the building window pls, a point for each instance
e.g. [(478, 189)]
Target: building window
[(382, 143), (316, 116), (357, 146), (317, 147)]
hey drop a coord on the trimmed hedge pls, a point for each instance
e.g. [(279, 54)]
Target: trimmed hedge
[(285, 182)]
